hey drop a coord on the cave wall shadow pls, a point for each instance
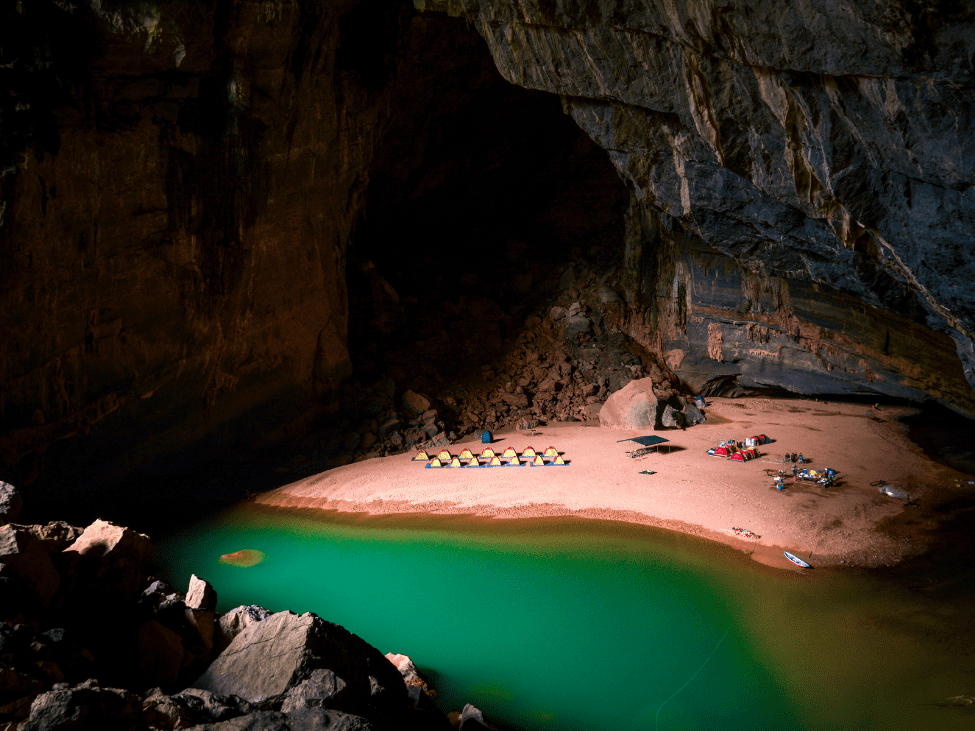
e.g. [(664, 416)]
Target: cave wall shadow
[(480, 196)]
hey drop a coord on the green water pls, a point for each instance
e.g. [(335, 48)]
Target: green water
[(591, 625)]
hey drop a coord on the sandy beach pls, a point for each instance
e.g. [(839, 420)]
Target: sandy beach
[(690, 491)]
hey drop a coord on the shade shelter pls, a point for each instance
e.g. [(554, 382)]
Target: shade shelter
[(652, 442)]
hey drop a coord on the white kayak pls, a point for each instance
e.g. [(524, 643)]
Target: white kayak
[(796, 560)]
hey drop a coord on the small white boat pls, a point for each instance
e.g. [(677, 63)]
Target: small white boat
[(796, 560)]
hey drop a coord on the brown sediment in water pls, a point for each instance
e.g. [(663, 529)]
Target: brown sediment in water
[(691, 492), (244, 558)]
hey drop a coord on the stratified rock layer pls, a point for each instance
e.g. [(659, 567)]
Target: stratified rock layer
[(823, 150)]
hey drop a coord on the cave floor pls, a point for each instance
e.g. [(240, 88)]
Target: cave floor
[(689, 491)]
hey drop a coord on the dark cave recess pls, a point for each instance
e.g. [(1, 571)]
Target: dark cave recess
[(480, 194)]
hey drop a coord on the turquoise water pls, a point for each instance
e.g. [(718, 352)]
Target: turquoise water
[(590, 625)]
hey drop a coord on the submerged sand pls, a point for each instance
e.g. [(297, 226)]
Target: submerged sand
[(690, 491)]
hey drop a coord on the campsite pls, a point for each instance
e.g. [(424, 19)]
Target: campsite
[(688, 486)]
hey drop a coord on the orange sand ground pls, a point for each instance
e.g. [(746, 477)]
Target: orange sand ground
[(691, 491)]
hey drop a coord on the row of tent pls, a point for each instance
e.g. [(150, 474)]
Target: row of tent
[(487, 453), (496, 461), (508, 458), (740, 451)]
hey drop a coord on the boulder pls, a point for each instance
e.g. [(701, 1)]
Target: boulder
[(111, 561), (11, 503), (310, 719), (591, 412), (270, 657), (74, 660), (201, 594), (156, 594), (203, 622), (202, 706), (17, 692), (406, 668), (161, 711), (414, 403), (693, 415), (672, 418), (85, 706), (26, 558), (234, 622), (517, 400), (159, 654), (56, 535), (576, 322), (632, 407), (322, 689), (471, 719)]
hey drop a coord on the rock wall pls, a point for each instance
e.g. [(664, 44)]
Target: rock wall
[(821, 148), (174, 223)]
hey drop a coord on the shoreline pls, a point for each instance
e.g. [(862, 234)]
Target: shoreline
[(691, 493)]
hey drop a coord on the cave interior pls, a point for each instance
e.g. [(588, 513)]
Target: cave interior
[(482, 206)]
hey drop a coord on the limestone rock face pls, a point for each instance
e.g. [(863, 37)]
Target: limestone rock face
[(201, 594), (83, 706), (632, 407), (234, 622), (11, 503), (270, 657), (110, 558), (822, 150)]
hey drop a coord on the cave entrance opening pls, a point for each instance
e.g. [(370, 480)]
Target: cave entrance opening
[(485, 204)]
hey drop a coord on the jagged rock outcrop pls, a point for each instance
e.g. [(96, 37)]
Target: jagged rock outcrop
[(61, 668), (273, 656), (11, 503)]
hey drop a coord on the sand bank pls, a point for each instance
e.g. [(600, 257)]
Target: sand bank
[(690, 492)]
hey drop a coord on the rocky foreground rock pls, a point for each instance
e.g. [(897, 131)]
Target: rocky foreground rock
[(88, 640)]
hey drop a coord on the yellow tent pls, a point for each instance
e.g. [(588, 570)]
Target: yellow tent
[(487, 453), (421, 456), (455, 462), (558, 460), (551, 452), (509, 452), (496, 462), (529, 452), (444, 454), (474, 462), (435, 462), (538, 461), (466, 454)]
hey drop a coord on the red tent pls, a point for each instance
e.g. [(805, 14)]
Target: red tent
[(745, 454)]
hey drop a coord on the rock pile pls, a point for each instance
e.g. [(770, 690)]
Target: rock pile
[(560, 362), (88, 640)]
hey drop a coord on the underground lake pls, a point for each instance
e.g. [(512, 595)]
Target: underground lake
[(585, 624)]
